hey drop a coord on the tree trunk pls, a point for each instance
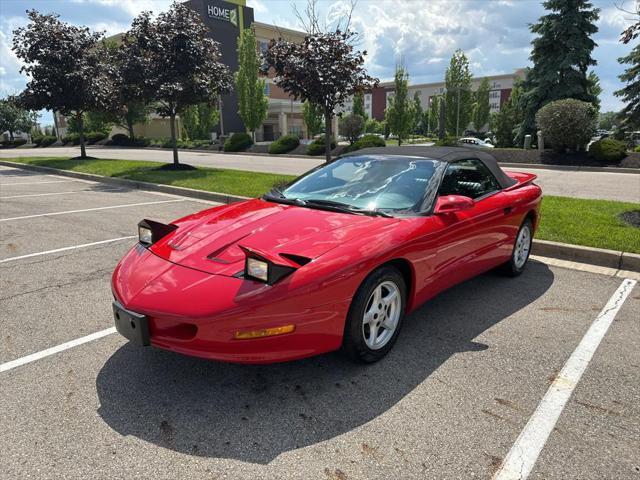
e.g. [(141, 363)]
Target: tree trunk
[(327, 135), (83, 149), (172, 121), (11, 135), (130, 128)]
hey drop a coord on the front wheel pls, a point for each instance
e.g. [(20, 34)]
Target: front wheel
[(375, 316), (521, 250)]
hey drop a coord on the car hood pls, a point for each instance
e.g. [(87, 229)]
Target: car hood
[(210, 240)]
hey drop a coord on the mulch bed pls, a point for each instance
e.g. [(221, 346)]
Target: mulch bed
[(632, 218)]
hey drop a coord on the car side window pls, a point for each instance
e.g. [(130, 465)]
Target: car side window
[(470, 178)]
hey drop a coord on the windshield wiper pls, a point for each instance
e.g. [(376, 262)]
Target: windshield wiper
[(344, 207)]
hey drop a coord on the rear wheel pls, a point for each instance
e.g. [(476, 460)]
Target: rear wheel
[(375, 316), (521, 250)]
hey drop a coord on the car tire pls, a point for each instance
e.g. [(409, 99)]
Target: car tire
[(375, 316), (521, 250)]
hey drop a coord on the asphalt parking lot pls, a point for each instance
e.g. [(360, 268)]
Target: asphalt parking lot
[(472, 370)]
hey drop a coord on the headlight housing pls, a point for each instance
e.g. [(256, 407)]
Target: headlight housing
[(265, 266), (149, 231)]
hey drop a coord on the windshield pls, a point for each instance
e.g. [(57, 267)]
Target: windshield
[(371, 182)]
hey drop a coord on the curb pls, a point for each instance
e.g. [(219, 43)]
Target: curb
[(593, 256), (544, 248), (133, 184)]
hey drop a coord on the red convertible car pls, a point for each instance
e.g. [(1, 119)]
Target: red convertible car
[(334, 260)]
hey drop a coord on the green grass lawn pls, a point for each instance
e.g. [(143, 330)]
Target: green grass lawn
[(233, 182), (593, 223)]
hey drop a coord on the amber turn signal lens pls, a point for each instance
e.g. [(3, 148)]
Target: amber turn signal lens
[(264, 332)]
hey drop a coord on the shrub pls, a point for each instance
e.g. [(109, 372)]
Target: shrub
[(120, 139), (637, 149), (366, 142), (284, 144), (93, 137), (238, 142), (73, 138), (44, 140), (317, 146), (447, 142), (373, 126), (608, 150), (567, 124), (16, 142)]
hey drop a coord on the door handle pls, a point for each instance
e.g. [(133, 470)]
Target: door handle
[(508, 210)]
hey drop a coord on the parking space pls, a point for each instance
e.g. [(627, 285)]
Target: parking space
[(468, 372)]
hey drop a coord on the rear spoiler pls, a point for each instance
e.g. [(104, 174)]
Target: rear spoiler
[(521, 178)]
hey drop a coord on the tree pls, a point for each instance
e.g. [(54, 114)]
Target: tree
[(607, 120), (458, 105), (181, 63), (508, 120), (481, 107), (351, 126), (67, 68), (417, 114), (132, 93), (434, 113), (14, 118), (312, 116), (567, 124), (252, 102), (399, 114), (358, 105), (373, 126), (324, 69), (561, 57), (199, 120), (630, 93), (594, 88)]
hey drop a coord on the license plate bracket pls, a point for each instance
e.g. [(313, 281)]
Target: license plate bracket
[(131, 325)]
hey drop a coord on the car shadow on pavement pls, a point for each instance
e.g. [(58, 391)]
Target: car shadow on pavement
[(255, 413)]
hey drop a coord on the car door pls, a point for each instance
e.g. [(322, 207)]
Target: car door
[(473, 239)]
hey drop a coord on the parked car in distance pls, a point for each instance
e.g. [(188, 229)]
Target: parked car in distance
[(335, 260), (474, 143)]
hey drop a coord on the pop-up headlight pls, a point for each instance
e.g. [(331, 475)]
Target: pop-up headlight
[(266, 267), (149, 232)]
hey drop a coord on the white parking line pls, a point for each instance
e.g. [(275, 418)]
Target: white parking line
[(523, 455), (65, 249), (90, 209), (58, 193), (53, 350), (34, 183)]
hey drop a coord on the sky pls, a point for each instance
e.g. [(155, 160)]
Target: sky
[(419, 34)]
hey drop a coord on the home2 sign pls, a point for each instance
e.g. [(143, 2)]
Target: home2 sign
[(226, 14)]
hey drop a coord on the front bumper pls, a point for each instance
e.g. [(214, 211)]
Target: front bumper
[(196, 313)]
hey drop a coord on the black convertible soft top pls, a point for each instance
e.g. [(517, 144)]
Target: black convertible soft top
[(443, 154)]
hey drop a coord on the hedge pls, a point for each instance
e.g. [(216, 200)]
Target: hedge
[(284, 144), (93, 137), (71, 138), (366, 141), (16, 142), (238, 142), (44, 140), (608, 150), (317, 147)]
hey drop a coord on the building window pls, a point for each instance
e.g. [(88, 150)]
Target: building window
[(267, 88), (262, 46)]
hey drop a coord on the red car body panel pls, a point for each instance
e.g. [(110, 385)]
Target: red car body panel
[(189, 287)]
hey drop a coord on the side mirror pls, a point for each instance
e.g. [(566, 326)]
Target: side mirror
[(453, 203)]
